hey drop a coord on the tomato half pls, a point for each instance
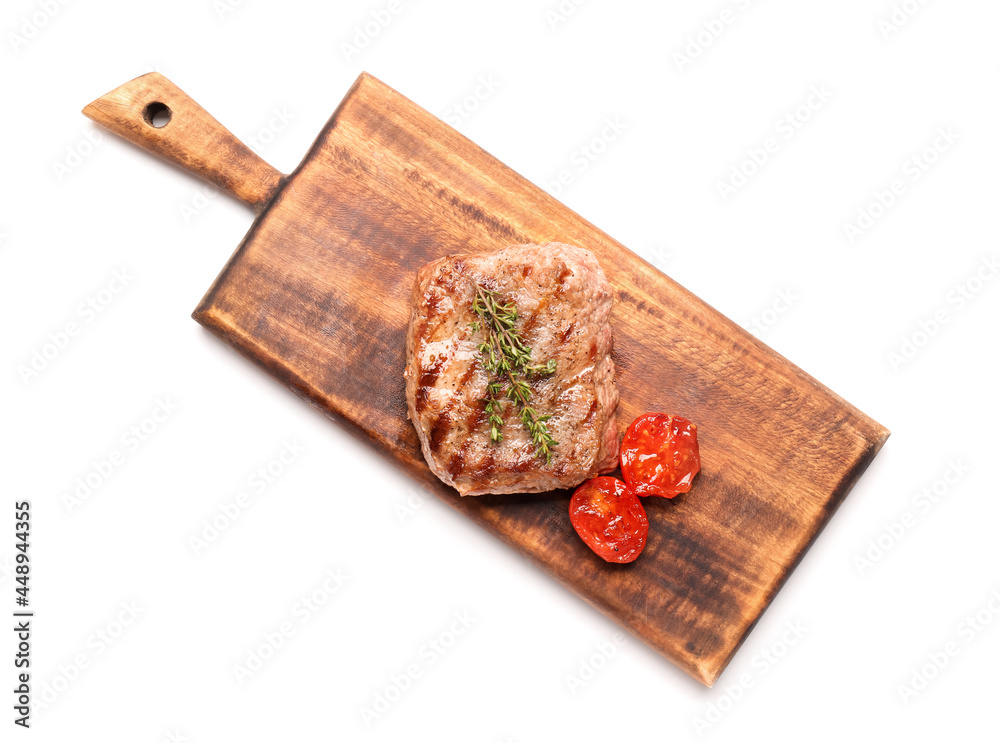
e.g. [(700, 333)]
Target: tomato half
[(609, 518), (659, 455)]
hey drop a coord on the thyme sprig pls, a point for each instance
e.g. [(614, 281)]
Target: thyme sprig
[(507, 358)]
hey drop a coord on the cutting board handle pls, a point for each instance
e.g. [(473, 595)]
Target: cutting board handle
[(155, 114)]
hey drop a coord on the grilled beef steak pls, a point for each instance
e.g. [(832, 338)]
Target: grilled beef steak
[(563, 305)]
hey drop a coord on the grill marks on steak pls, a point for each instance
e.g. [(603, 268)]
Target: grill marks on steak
[(564, 303)]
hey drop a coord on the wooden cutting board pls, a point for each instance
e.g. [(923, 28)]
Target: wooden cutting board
[(317, 295)]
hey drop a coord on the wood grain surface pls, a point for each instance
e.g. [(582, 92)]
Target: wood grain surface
[(317, 295), (191, 137)]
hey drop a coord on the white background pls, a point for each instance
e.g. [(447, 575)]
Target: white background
[(73, 212)]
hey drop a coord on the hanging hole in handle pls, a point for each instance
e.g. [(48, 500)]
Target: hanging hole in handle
[(157, 114)]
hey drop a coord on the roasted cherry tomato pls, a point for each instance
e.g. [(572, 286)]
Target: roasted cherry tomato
[(660, 455), (609, 518)]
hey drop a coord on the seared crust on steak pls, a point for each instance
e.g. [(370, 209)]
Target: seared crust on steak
[(564, 303)]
